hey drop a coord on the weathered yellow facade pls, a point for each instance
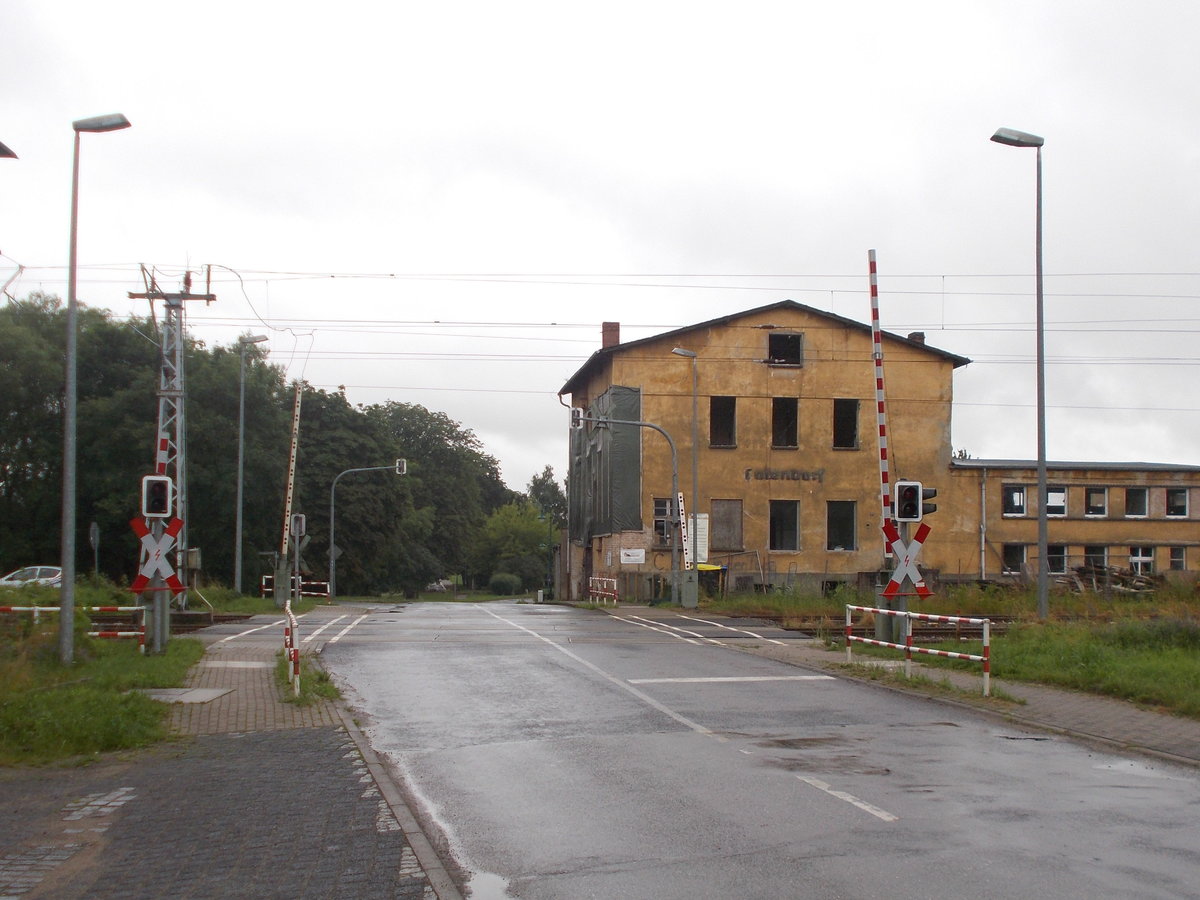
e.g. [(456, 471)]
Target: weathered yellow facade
[(789, 485)]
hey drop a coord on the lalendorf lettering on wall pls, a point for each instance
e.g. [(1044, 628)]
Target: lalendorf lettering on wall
[(785, 475)]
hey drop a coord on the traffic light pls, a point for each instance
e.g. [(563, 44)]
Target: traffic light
[(908, 501), (928, 494), (158, 497)]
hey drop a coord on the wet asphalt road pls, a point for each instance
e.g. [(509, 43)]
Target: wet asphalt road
[(566, 753)]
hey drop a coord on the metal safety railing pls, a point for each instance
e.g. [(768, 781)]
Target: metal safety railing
[(291, 649), (908, 647)]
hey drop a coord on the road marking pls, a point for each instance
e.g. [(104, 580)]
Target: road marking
[(251, 631), (645, 698), (322, 628), (849, 798), (642, 624), (742, 630), (731, 678), (337, 637), (676, 628)]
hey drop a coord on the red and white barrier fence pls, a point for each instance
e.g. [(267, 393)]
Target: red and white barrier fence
[(909, 649), (602, 590), (291, 649), (140, 633)]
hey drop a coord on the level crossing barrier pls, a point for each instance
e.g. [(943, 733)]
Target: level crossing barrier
[(601, 590), (139, 632), (909, 649), (291, 647), (307, 588)]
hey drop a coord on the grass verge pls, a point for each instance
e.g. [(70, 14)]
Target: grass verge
[(315, 683), (50, 713)]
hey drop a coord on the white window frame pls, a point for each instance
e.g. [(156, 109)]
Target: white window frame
[(1178, 562), (1184, 514), (1145, 492), (1052, 489), (1056, 559), (1088, 492), (1005, 569), (1012, 491), (1141, 559)]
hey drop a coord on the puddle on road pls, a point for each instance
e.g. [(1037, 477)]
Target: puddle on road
[(486, 886)]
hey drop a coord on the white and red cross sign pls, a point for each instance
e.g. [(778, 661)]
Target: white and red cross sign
[(154, 554), (906, 560)]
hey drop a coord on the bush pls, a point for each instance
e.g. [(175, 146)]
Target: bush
[(504, 584)]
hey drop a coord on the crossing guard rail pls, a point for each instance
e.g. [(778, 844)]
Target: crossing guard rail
[(140, 633), (291, 650), (602, 590), (909, 649)]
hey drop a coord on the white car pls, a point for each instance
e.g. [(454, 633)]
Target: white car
[(51, 575)]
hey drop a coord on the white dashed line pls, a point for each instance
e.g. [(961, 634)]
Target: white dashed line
[(849, 798)]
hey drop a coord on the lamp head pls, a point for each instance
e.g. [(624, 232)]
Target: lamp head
[(1015, 138), (252, 339), (679, 351), (111, 122)]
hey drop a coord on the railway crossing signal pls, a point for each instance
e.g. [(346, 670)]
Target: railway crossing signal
[(912, 501)]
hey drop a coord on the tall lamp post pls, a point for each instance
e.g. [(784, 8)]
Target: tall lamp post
[(691, 586), (1014, 138), (66, 619), (243, 343)]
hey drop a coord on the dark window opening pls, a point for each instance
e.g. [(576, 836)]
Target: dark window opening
[(1056, 559), (785, 349), (839, 525), (1095, 556), (785, 525), (1135, 501), (785, 420), (722, 421), (1013, 559), (1095, 501), (1013, 499), (1177, 502), (845, 424), (662, 522)]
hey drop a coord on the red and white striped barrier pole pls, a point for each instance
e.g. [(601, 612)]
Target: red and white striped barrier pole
[(885, 486)]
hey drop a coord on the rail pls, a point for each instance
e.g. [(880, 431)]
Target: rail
[(909, 649)]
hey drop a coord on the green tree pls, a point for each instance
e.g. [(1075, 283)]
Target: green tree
[(514, 540), (549, 497)]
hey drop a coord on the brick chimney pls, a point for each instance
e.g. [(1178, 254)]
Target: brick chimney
[(917, 336), (610, 334)]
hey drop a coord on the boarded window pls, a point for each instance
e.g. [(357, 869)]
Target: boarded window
[(785, 419), (785, 349), (722, 421), (845, 424), (1135, 502), (785, 525), (840, 525), (725, 526)]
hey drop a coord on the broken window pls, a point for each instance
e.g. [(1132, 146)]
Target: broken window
[(1095, 501), (785, 420), (1013, 559), (1056, 559), (1177, 503), (1135, 502), (1056, 500), (1095, 556), (722, 421), (839, 525), (1141, 560), (725, 526), (785, 349), (662, 522), (845, 424), (1013, 499), (785, 525)]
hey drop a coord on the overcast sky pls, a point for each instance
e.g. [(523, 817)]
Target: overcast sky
[(439, 203)]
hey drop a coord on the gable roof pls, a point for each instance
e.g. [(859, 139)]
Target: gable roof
[(600, 355)]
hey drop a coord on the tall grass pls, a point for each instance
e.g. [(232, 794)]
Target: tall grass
[(50, 712)]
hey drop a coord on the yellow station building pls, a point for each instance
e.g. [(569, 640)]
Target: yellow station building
[(788, 468)]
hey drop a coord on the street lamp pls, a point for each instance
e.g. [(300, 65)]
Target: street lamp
[(66, 619), (691, 580), (243, 343), (1014, 138)]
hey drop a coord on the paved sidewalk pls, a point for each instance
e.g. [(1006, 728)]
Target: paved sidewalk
[(1116, 724), (256, 798)]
